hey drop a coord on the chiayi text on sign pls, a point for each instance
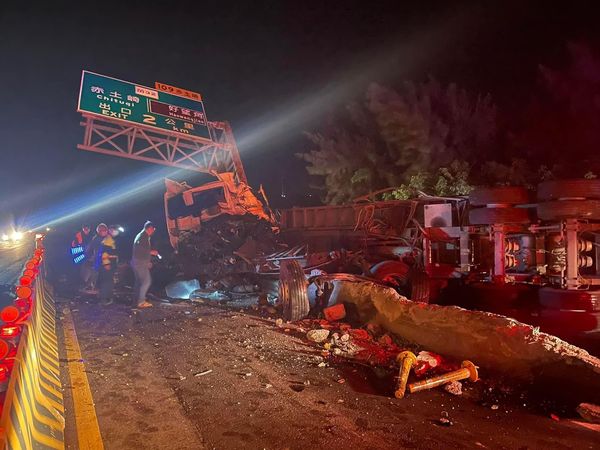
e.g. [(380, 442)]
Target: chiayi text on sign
[(120, 100)]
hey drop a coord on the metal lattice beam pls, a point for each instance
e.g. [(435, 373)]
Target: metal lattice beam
[(111, 137)]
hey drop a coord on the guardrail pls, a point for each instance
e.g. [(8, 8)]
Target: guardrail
[(33, 412)]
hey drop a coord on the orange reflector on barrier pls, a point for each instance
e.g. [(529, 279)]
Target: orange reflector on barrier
[(9, 314), (4, 349), (23, 291), (30, 265), (29, 273), (22, 303), (25, 281)]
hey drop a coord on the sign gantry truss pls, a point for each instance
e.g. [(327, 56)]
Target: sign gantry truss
[(218, 153)]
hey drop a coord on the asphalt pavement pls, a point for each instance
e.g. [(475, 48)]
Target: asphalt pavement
[(196, 376), (12, 259)]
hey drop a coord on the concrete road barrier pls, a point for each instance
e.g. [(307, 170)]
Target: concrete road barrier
[(33, 412)]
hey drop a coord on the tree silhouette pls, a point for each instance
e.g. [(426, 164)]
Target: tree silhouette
[(420, 135)]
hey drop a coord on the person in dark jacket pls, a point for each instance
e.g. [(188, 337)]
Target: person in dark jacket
[(93, 256), (107, 265), (82, 237), (141, 264)]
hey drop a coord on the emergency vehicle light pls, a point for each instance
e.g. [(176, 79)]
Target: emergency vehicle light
[(77, 250)]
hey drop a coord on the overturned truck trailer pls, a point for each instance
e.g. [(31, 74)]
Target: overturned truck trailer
[(531, 256)]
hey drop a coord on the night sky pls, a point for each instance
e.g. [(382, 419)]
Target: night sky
[(272, 69)]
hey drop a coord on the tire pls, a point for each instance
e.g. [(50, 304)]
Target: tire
[(579, 188), (392, 272), (293, 290), (569, 300), (569, 209), (419, 287), (490, 216), (513, 195)]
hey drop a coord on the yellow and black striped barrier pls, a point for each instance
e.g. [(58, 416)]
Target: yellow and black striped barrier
[(33, 412)]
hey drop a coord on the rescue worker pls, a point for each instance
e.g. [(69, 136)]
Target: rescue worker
[(82, 239), (92, 254), (107, 265), (141, 264)]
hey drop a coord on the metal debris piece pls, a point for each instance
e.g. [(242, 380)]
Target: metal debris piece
[(468, 370), (589, 412), (406, 360)]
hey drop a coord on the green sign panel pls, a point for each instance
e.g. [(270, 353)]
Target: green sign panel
[(128, 102)]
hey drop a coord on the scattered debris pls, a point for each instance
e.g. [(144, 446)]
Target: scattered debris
[(201, 374), (182, 289), (406, 360), (385, 340), (494, 407), (279, 323), (589, 412), (496, 342), (210, 295), (444, 420), (344, 346), (335, 312), (454, 388), (426, 361), (468, 370), (225, 245), (317, 336)]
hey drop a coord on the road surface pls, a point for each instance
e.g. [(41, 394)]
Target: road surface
[(12, 260), (201, 376)]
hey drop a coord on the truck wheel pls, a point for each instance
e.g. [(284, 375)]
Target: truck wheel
[(419, 286), (391, 272), (581, 188), (293, 292), (552, 298), (512, 195), (569, 209), (490, 216)]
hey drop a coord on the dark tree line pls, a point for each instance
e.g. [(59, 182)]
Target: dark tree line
[(443, 140)]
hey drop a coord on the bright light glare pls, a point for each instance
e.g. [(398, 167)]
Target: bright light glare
[(5, 237), (121, 230), (17, 236), (47, 228)]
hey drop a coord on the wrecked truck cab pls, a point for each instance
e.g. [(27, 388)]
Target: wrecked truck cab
[(186, 207)]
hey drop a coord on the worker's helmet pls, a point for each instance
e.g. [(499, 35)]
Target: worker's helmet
[(101, 227)]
